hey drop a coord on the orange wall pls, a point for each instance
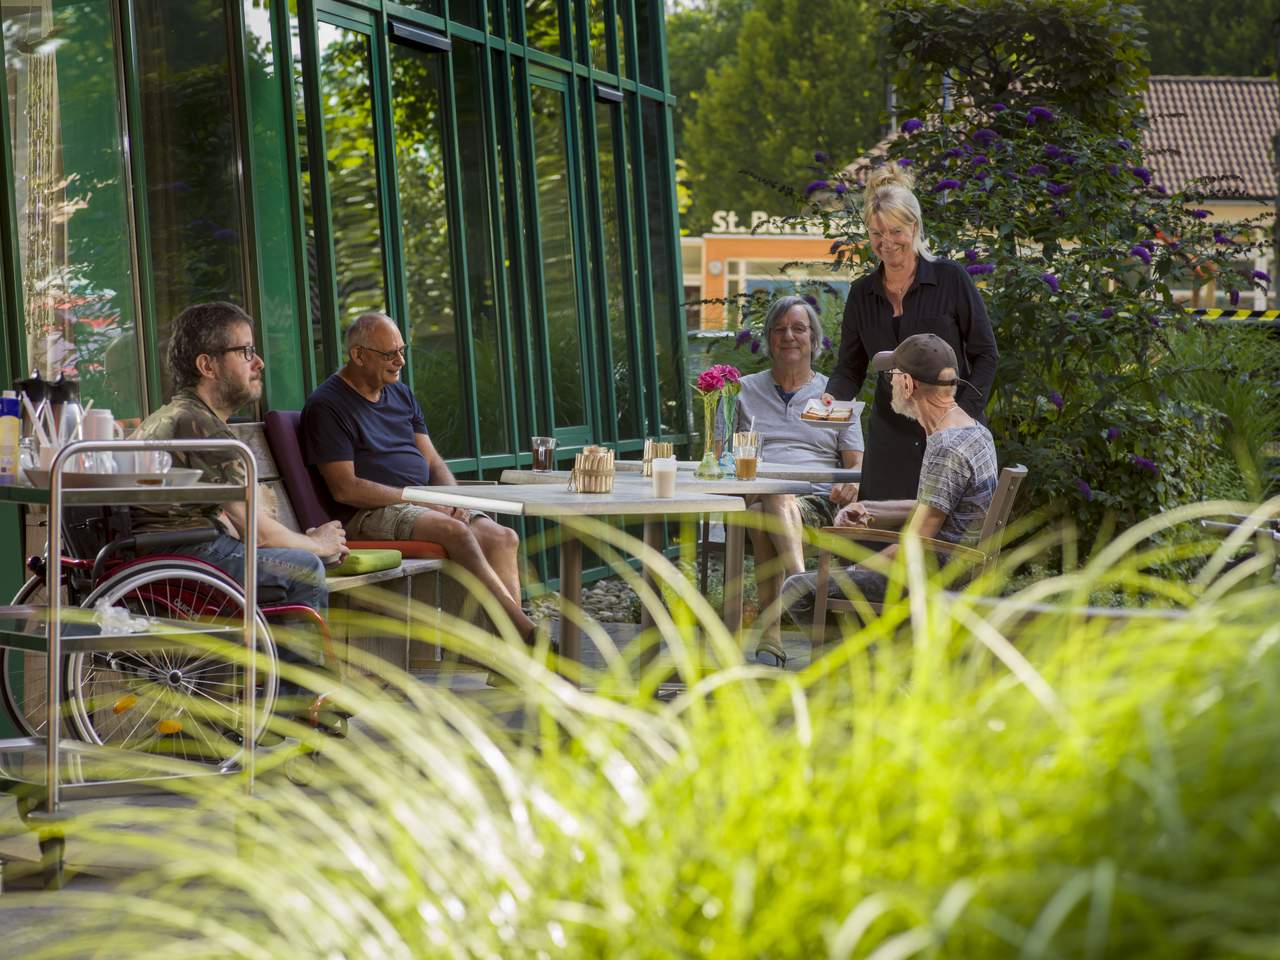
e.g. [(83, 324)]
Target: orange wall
[(747, 247)]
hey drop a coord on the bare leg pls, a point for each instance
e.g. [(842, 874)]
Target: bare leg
[(463, 549), (501, 547), (778, 555)]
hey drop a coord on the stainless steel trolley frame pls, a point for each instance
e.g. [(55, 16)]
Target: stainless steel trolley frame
[(56, 642)]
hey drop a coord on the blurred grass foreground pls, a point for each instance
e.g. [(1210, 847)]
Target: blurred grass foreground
[(960, 779)]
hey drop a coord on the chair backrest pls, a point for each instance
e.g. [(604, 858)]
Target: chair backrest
[(307, 490), (998, 513)]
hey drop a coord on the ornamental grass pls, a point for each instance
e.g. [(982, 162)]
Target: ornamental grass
[(959, 779)]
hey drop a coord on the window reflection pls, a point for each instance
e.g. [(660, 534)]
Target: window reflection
[(596, 12), (648, 33), (346, 96), (542, 25), (551, 158), (69, 188), (617, 297), (315, 305), (486, 336), (416, 83), (662, 268), (191, 148)]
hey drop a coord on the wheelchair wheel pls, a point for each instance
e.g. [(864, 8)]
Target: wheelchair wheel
[(24, 676), (183, 702)]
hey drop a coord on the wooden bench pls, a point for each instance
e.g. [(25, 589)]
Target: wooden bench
[(415, 583)]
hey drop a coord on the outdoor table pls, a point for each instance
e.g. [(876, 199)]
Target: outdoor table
[(726, 486), (555, 502), (764, 471)]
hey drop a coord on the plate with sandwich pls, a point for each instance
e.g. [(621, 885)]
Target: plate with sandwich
[(838, 416)]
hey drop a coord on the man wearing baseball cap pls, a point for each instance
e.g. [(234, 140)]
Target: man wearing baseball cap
[(957, 477)]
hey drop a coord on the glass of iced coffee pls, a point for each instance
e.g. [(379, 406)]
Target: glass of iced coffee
[(745, 462)]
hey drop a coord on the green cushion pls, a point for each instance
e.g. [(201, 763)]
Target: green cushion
[(365, 561)]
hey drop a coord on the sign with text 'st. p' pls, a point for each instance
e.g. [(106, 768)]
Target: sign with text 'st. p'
[(727, 221)]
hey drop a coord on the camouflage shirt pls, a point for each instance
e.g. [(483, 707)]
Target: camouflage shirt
[(187, 417)]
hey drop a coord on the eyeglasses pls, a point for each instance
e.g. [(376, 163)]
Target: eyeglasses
[(387, 354), (889, 374), (796, 331), (896, 234), (246, 350)]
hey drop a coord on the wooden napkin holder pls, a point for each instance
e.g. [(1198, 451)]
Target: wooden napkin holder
[(592, 471), (655, 449)]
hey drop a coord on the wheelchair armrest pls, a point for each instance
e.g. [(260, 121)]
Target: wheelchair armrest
[(152, 540)]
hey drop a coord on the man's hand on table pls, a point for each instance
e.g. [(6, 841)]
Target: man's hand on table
[(842, 493), (330, 541)]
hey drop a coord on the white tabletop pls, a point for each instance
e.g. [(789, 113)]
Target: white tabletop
[(684, 483), (554, 500), (766, 471)]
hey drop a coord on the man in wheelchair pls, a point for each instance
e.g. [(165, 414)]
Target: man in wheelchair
[(216, 371)]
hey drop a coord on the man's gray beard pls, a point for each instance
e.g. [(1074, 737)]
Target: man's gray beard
[(900, 405)]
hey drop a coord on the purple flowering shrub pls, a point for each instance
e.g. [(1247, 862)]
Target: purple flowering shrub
[(1037, 183)]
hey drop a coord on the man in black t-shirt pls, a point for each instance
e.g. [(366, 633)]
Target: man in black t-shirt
[(364, 431)]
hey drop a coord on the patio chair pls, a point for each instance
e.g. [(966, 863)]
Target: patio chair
[(981, 558)]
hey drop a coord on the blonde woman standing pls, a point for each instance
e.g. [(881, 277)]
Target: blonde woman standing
[(911, 291)]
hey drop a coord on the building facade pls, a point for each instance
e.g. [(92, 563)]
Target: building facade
[(497, 176)]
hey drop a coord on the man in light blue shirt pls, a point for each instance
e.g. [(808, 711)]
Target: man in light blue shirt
[(773, 400)]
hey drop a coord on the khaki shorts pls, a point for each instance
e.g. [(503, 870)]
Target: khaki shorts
[(395, 522), (817, 510)]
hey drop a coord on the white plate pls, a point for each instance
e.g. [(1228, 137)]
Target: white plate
[(854, 406)]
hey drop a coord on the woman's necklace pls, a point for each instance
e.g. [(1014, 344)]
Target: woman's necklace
[(896, 292)]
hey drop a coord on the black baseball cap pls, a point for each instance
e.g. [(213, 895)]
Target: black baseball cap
[(924, 356)]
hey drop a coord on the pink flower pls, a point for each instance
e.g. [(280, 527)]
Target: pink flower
[(730, 373), (709, 381)]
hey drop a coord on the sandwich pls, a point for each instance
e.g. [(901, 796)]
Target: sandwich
[(841, 411)]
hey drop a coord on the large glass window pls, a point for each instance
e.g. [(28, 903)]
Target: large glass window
[(71, 195), (555, 228), (616, 289), (596, 14), (470, 12), (542, 25), (648, 38), (351, 163), (431, 324), (486, 333), (662, 266), (192, 150)]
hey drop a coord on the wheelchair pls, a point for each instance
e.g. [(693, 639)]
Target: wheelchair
[(182, 702)]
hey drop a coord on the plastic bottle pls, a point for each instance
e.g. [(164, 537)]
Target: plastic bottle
[(10, 432)]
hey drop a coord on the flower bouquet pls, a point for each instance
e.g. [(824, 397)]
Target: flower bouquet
[(720, 381)]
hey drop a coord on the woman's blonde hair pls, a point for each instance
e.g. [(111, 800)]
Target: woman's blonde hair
[(888, 195)]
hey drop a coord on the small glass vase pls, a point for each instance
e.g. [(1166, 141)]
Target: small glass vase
[(709, 467), (728, 407)]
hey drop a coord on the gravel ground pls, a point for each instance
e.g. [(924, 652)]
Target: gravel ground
[(611, 600)]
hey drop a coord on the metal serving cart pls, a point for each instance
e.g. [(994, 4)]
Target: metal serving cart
[(53, 769)]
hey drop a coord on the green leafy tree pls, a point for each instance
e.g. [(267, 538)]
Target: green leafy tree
[(1208, 37), (699, 40), (804, 77), (1037, 182)]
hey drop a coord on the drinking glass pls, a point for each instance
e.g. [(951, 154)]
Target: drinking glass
[(745, 463), (544, 449)]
